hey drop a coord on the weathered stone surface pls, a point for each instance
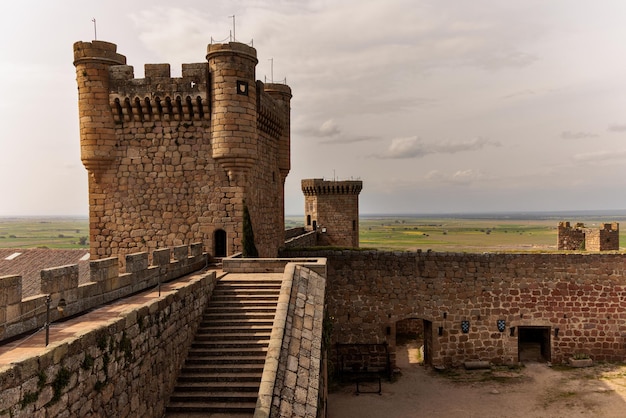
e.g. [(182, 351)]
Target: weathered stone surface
[(120, 369)]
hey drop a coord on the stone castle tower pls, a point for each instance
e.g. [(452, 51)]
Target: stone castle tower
[(173, 161), (332, 208), (580, 237)]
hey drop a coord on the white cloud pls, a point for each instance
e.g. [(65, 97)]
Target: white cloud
[(414, 147), (460, 177), (617, 128), (601, 157), (577, 135)]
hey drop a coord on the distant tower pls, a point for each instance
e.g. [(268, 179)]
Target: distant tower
[(332, 208)]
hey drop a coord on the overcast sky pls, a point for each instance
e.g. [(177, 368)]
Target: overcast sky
[(438, 106)]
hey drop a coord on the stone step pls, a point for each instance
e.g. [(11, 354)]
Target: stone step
[(222, 368), (222, 372), (208, 352), (232, 343), (243, 304), (245, 291), (248, 300), (212, 407), (219, 377), (218, 387), (238, 336), (228, 307), (199, 357), (243, 326), (239, 397), (250, 281), (240, 315), (234, 324)]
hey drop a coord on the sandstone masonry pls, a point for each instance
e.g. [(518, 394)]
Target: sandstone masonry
[(332, 209), (579, 237), (574, 300), (173, 160)]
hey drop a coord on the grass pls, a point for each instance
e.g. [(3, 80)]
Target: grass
[(43, 232), (410, 233), (397, 233)]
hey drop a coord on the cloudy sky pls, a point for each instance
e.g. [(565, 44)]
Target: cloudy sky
[(439, 106)]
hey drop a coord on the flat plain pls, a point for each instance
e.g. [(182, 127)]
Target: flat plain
[(44, 232), (469, 233)]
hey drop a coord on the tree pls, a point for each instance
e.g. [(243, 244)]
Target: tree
[(247, 241)]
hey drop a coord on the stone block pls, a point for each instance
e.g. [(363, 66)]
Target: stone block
[(136, 262), (161, 257), (59, 279), (180, 252), (103, 269), (10, 290)]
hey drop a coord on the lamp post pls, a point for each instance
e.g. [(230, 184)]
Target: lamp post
[(47, 320)]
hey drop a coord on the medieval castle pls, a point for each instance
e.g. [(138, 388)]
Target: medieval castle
[(174, 164)]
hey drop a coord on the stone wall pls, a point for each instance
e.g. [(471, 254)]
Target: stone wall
[(173, 160), (126, 368), (579, 237), (19, 315), (332, 208), (605, 238), (570, 238), (580, 295), (306, 240), (299, 377)]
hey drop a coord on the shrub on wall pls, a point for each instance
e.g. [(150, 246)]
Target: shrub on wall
[(247, 241)]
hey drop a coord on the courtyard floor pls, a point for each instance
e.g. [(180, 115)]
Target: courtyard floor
[(535, 390)]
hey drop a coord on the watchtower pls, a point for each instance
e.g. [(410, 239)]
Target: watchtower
[(332, 208), (173, 161)]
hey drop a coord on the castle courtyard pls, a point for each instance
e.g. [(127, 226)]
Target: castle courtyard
[(533, 391)]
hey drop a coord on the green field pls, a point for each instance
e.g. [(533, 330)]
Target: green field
[(44, 232), (465, 234)]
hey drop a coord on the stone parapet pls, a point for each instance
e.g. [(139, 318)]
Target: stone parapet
[(124, 368), (19, 315)]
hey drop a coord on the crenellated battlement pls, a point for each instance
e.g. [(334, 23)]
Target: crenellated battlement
[(313, 187), (172, 159), (332, 207), (178, 99), (579, 237), (67, 297)]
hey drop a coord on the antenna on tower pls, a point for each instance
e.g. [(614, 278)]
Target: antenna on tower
[(234, 35), (95, 34)]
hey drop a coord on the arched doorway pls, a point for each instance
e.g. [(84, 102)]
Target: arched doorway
[(219, 243), (414, 338)]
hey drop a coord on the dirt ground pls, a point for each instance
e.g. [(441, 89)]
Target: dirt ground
[(535, 390)]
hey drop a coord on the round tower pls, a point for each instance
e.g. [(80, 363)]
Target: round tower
[(282, 94), (234, 106), (97, 128)]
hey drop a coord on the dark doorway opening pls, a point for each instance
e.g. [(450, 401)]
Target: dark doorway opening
[(533, 344), (219, 241), (414, 338)]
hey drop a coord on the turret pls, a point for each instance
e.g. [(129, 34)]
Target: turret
[(234, 113), (97, 128), (282, 94), (332, 208)]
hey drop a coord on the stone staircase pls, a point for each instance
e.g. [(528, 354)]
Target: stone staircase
[(223, 369)]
